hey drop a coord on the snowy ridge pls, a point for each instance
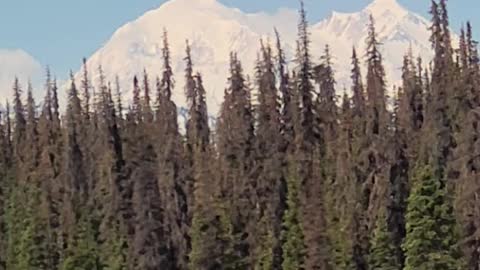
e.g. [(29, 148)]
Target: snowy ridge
[(215, 30)]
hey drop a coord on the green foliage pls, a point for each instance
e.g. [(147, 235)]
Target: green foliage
[(230, 259), (213, 241), (27, 247), (83, 252), (264, 252), (432, 238), (114, 251), (382, 249), (13, 217), (293, 237), (341, 242), (200, 245)]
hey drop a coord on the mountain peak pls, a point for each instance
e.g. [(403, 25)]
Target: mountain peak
[(379, 7), (207, 2), (181, 5), (215, 29), (385, 2), (195, 2)]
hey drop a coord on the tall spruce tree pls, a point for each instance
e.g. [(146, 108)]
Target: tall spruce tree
[(235, 131), (432, 238), (383, 251), (346, 243), (148, 245), (375, 156), (172, 179), (311, 181), (437, 143), (358, 214), (270, 181), (465, 155)]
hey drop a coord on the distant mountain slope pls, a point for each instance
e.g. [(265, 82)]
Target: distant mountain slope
[(215, 30)]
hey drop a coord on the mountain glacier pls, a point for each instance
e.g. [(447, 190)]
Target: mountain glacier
[(215, 30)]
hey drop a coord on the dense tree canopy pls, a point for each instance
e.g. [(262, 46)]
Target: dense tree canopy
[(290, 176)]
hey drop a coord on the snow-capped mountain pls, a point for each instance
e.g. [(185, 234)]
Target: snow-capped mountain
[(215, 30)]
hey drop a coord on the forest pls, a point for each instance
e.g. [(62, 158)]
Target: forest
[(294, 174)]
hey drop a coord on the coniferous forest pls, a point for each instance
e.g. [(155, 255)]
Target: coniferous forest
[(295, 174)]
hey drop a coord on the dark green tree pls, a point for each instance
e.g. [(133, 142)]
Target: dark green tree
[(294, 249), (383, 254), (432, 237)]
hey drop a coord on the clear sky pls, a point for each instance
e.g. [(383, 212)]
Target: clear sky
[(60, 32)]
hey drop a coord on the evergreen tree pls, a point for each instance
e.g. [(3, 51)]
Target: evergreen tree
[(108, 198), (270, 181), (147, 113), (432, 238), (211, 229), (288, 99), (304, 82), (141, 206), (235, 131), (437, 143), (464, 156), (116, 257), (307, 153), (76, 179), (357, 212), (383, 251), (82, 253), (287, 180), (19, 132), (378, 117), (294, 249), (48, 173), (118, 93), (172, 181), (375, 155), (31, 130), (345, 216), (85, 91), (327, 118), (4, 171)]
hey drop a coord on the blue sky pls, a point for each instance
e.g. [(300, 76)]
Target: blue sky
[(59, 33)]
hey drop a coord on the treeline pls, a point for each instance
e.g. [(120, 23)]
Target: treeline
[(298, 179)]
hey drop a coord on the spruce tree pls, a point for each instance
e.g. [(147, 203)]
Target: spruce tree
[(437, 138), (465, 154), (327, 124), (383, 254), (358, 173), (109, 199), (82, 252), (288, 179), (294, 249), (49, 173), (432, 238), (375, 155), (344, 240), (270, 181), (4, 171), (141, 206), (288, 110), (172, 182), (308, 152), (76, 184), (20, 129), (235, 131), (86, 90)]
